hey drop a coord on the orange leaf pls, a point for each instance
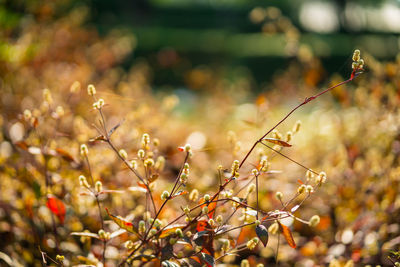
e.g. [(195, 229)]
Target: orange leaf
[(179, 193), (277, 142), (211, 206), (124, 224), (287, 234), (22, 144), (65, 155), (142, 185), (171, 230), (57, 207), (201, 225)]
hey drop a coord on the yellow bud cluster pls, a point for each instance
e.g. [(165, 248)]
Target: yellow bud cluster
[(185, 174), (99, 186), (296, 126), (83, 182), (251, 244), (123, 153), (91, 90), (104, 235), (47, 96), (141, 154), (75, 87), (251, 188), (84, 150), (358, 63), (99, 104), (160, 163), (60, 258), (321, 178), (165, 195), (276, 134), (145, 141), (194, 195), (235, 168), (142, 227), (289, 136), (301, 189), (273, 228), (314, 220), (245, 263), (27, 114), (279, 195), (149, 163)]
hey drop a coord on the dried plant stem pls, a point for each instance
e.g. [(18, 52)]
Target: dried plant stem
[(96, 195)]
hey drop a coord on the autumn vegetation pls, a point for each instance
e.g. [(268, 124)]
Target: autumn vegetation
[(98, 168)]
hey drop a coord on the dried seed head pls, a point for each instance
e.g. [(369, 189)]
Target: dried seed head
[(123, 153), (314, 220), (91, 90), (84, 150), (194, 195)]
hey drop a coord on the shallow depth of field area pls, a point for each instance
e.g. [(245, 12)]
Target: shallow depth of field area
[(161, 133)]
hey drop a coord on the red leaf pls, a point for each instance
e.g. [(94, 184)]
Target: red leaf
[(124, 224), (277, 142), (57, 207), (287, 234), (201, 225), (300, 181), (181, 148)]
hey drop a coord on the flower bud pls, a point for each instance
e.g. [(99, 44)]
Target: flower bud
[(123, 153), (75, 87), (206, 197), (245, 263), (27, 114), (91, 90), (194, 195), (273, 228), (179, 232), (165, 195), (301, 189), (279, 195), (296, 126), (141, 154), (314, 221), (84, 150), (99, 186)]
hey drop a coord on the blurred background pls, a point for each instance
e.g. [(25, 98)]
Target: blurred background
[(216, 74)]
